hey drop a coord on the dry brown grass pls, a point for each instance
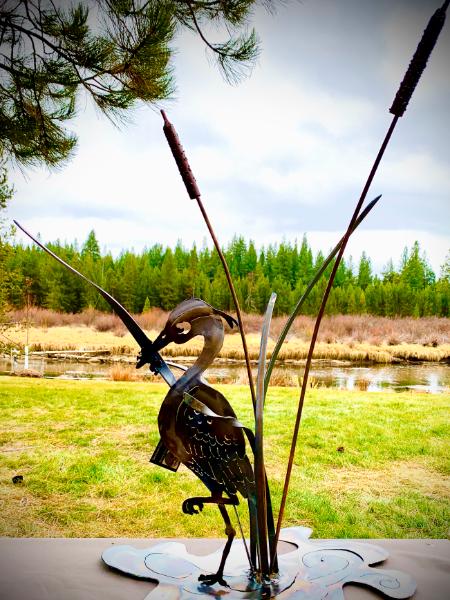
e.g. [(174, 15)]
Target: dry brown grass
[(153, 319), (363, 385), (345, 337), (73, 337), (282, 378), (120, 372), (109, 323), (43, 317), (86, 338)]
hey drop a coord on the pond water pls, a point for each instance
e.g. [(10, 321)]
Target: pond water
[(433, 378)]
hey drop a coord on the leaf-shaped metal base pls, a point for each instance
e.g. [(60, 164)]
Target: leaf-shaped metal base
[(312, 570)]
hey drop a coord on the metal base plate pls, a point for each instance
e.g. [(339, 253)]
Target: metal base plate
[(312, 570)]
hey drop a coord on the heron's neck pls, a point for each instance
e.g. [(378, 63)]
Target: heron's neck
[(213, 343)]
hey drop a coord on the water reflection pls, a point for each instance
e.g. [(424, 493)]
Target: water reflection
[(433, 378)]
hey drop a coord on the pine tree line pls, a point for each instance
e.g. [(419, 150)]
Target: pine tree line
[(161, 277)]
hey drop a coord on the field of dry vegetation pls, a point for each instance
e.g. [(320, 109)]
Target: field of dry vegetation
[(359, 338)]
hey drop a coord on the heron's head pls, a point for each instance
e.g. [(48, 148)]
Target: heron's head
[(190, 318)]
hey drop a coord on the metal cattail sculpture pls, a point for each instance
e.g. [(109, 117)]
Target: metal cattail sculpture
[(194, 193), (266, 536)]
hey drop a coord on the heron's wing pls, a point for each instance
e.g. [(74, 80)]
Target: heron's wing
[(216, 446)]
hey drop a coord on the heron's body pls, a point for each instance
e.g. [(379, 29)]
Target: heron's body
[(212, 449)]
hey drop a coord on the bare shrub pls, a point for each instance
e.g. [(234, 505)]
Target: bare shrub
[(40, 317), (150, 377), (241, 377), (426, 331), (120, 331), (220, 379), (124, 373), (431, 342), (28, 373), (44, 317), (283, 378), (363, 384), (107, 322), (312, 383), (88, 316), (153, 319), (253, 323)]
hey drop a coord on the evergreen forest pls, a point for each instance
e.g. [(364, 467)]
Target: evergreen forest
[(163, 276)]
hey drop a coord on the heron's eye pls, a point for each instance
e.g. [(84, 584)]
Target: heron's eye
[(183, 328)]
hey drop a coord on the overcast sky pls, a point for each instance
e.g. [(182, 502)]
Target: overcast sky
[(284, 153)]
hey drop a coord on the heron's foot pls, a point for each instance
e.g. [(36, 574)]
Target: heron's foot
[(192, 506), (212, 579)]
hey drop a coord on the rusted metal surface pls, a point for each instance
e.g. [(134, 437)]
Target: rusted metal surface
[(180, 158), (419, 61)]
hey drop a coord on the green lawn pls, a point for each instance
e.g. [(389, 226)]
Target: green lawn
[(83, 450)]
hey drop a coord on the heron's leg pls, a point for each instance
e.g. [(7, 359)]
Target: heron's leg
[(230, 533), (194, 505)]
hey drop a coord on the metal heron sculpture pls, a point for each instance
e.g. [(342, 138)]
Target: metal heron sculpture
[(199, 427)]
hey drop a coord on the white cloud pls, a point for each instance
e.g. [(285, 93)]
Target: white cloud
[(417, 173)]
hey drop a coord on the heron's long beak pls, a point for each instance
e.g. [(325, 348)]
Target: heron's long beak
[(161, 341)]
